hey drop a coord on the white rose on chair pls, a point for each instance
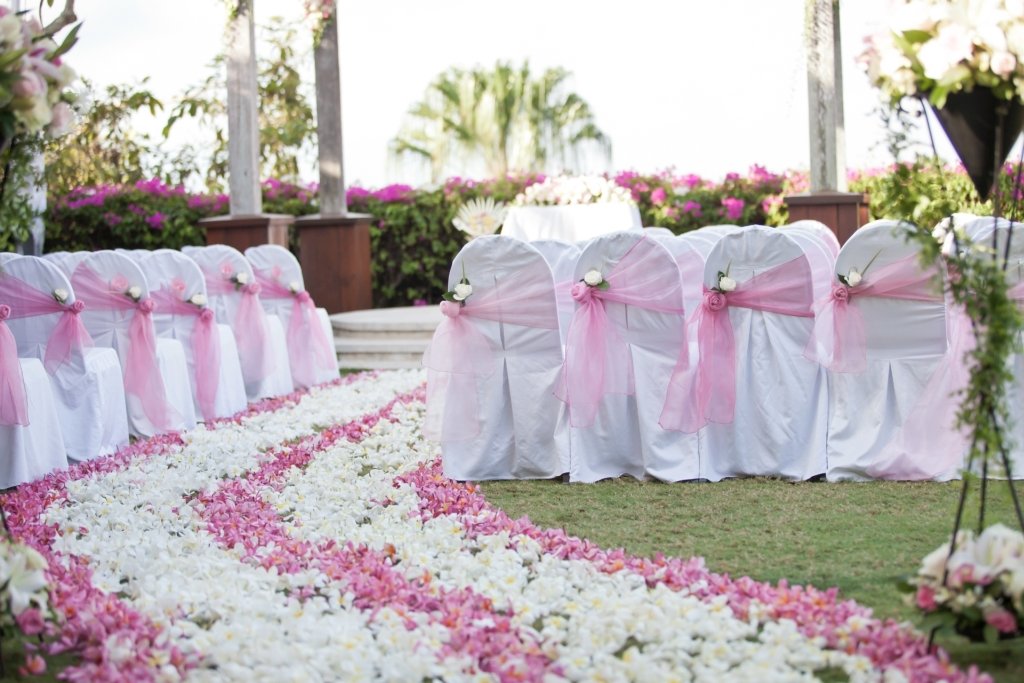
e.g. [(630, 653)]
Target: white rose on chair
[(462, 291), (294, 287), (134, 292), (242, 278), (726, 283), (197, 299), (854, 277), (60, 295), (593, 278)]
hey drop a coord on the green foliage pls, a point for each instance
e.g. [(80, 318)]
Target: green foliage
[(287, 127), (17, 175), (104, 148), (147, 215), (504, 117)]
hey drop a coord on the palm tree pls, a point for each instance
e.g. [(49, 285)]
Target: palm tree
[(503, 117)]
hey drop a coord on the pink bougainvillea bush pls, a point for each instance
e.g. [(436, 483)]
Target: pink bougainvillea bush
[(314, 537)]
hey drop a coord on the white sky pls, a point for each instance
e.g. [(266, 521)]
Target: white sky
[(704, 86)]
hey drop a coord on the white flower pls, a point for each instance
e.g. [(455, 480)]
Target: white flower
[(135, 292), (1000, 547), (60, 294), (294, 287), (462, 291), (198, 299), (854, 277), (593, 278), (726, 283), (241, 278), (480, 217), (567, 190), (27, 578)]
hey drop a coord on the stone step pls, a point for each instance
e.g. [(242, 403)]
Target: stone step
[(384, 338)]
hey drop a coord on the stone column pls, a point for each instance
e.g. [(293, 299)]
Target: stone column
[(334, 245), (247, 225), (828, 201)]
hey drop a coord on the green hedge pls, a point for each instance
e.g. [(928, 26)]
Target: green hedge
[(412, 237)]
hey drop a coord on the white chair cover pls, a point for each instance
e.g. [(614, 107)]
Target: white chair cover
[(66, 260), (819, 229), (980, 231), (175, 272), (625, 437), (32, 451), (656, 231), (522, 426), (561, 257), (277, 263), (906, 355), (6, 256), (88, 389), (780, 421), (110, 328), (215, 260)]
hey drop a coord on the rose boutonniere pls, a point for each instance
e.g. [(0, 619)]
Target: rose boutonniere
[(198, 299), (462, 290), (60, 295), (725, 283), (855, 276), (594, 278)]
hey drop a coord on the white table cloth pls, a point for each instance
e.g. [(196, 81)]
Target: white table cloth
[(570, 223)]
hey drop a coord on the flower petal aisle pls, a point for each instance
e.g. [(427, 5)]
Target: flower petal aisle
[(315, 538)]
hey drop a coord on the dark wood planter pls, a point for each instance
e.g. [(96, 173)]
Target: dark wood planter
[(843, 212), (335, 255), (242, 232)]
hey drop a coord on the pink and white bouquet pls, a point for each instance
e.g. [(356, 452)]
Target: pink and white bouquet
[(34, 81), (24, 598), (938, 47), (979, 588)]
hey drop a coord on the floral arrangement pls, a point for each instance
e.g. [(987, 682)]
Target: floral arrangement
[(480, 216), (325, 515), (24, 598), (937, 47), (978, 589), (563, 190), (33, 78)]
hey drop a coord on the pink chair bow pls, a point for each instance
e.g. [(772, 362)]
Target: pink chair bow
[(69, 334), (142, 377), (459, 353), (303, 327), (598, 361), (250, 324), (837, 341), (707, 392), (205, 346), (13, 402)]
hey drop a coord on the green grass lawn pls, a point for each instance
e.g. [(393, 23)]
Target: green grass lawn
[(860, 537)]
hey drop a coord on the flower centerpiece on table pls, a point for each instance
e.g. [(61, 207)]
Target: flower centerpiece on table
[(982, 596), (567, 190), (481, 216)]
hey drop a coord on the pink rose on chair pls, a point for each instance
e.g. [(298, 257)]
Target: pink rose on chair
[(178, 285), (451, 309), (582, 292), (841, 293), (715, 301), (119, 283)]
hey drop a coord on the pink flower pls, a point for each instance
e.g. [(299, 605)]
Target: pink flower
[(1002, 620), (926, 598), (658, 196), (715, 301), (34, 666), (693, 208), (733, 207), (119, 283), (31, 622), (178, 285)]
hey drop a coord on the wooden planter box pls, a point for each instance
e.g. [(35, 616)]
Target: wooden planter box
[(335, 255)]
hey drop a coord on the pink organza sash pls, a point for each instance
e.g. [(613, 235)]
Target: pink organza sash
[(205, 346), (837, 340), (250, 325), (459, 354), (69, 334), (142, 378), (707, 392), (13, 401), (598, 361), (303, 327)]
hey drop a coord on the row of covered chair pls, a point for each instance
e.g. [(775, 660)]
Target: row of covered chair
[(718, 353), (142, 343)]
